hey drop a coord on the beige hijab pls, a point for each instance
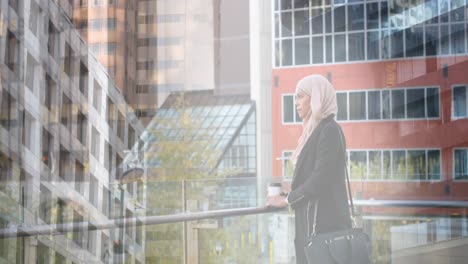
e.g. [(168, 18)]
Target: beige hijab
[(322, 104)]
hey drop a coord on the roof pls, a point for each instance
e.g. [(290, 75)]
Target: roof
[(213, 119)]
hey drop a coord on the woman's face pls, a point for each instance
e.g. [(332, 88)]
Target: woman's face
[(302, 104)]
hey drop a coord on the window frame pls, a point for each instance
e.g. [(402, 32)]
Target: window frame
[(392, 119), (284, 158), (453, 164), (295, 122), (385, 27), (452, 101), (392, 179)]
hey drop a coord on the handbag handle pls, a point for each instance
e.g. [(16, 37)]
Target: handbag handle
[(350, 196)]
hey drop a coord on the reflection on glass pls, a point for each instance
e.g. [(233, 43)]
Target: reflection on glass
[(301, 23), (356, 47), (398, 104), (459, 101), (372, 15), (416, 165), (375, 165), (461, 164), (358, 165), (317, 50), (357, 103), (415, 103), (286, 52), (317, 20), (373, 101), (399, 164), (355, 17), (342, 100), (302, 51), (286, 24), (340, 19)]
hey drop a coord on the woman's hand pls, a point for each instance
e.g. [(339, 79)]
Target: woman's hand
[(276, 201)]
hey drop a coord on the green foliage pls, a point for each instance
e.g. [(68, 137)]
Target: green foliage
[(231, 244), (182, 149), (182, 152)]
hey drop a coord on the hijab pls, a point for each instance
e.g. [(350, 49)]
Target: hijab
[(322, 104)]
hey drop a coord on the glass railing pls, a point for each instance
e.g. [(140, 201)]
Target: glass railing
[(216, 221)]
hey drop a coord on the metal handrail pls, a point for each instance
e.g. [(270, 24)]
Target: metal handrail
[(56, 229)]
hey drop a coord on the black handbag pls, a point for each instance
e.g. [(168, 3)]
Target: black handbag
[(349, 246)]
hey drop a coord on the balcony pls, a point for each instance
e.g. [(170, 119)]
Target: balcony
[(207, 223)]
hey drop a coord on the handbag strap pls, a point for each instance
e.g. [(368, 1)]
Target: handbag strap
[(350, 196)]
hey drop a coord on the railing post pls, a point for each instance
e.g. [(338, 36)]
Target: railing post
[(184, 224)]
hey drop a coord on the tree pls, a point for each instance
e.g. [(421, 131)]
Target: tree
[(181, 158)]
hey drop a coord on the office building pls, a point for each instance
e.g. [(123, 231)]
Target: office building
[(399, 71), (65, 128)]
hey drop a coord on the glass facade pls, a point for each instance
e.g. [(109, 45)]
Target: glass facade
[(398, 70), (119, 119), (349, 31), (53, 96)]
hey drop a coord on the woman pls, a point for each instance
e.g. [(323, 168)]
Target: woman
[(319, 160)]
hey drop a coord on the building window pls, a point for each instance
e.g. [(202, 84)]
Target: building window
[(30, 74), (153, 42), (79, 235), (81, 128), (108, 156), (357, 105), (290, 115), (68, 61), (43, 253), (53, 40), (347, 31), (110, 48), (460, 163), (110, 112), (145, 19), (50, 94), (95, 48), (120, 126), (84, 73), (28, 130), (459, 102), (96, 24), (97, 94), (79, 177), (6, 171), (169, 18), (143, 89), (45, 205), (64, 164), (91, 243), (151, 65), (66, 112), (81, 24), (144, 113), (7, 110), (111, 71), (396, 165), (93, 190), (111, 23), (105, 201), (288, 167), (95, 143), (47, 147), (12, 47), (389, 104)]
